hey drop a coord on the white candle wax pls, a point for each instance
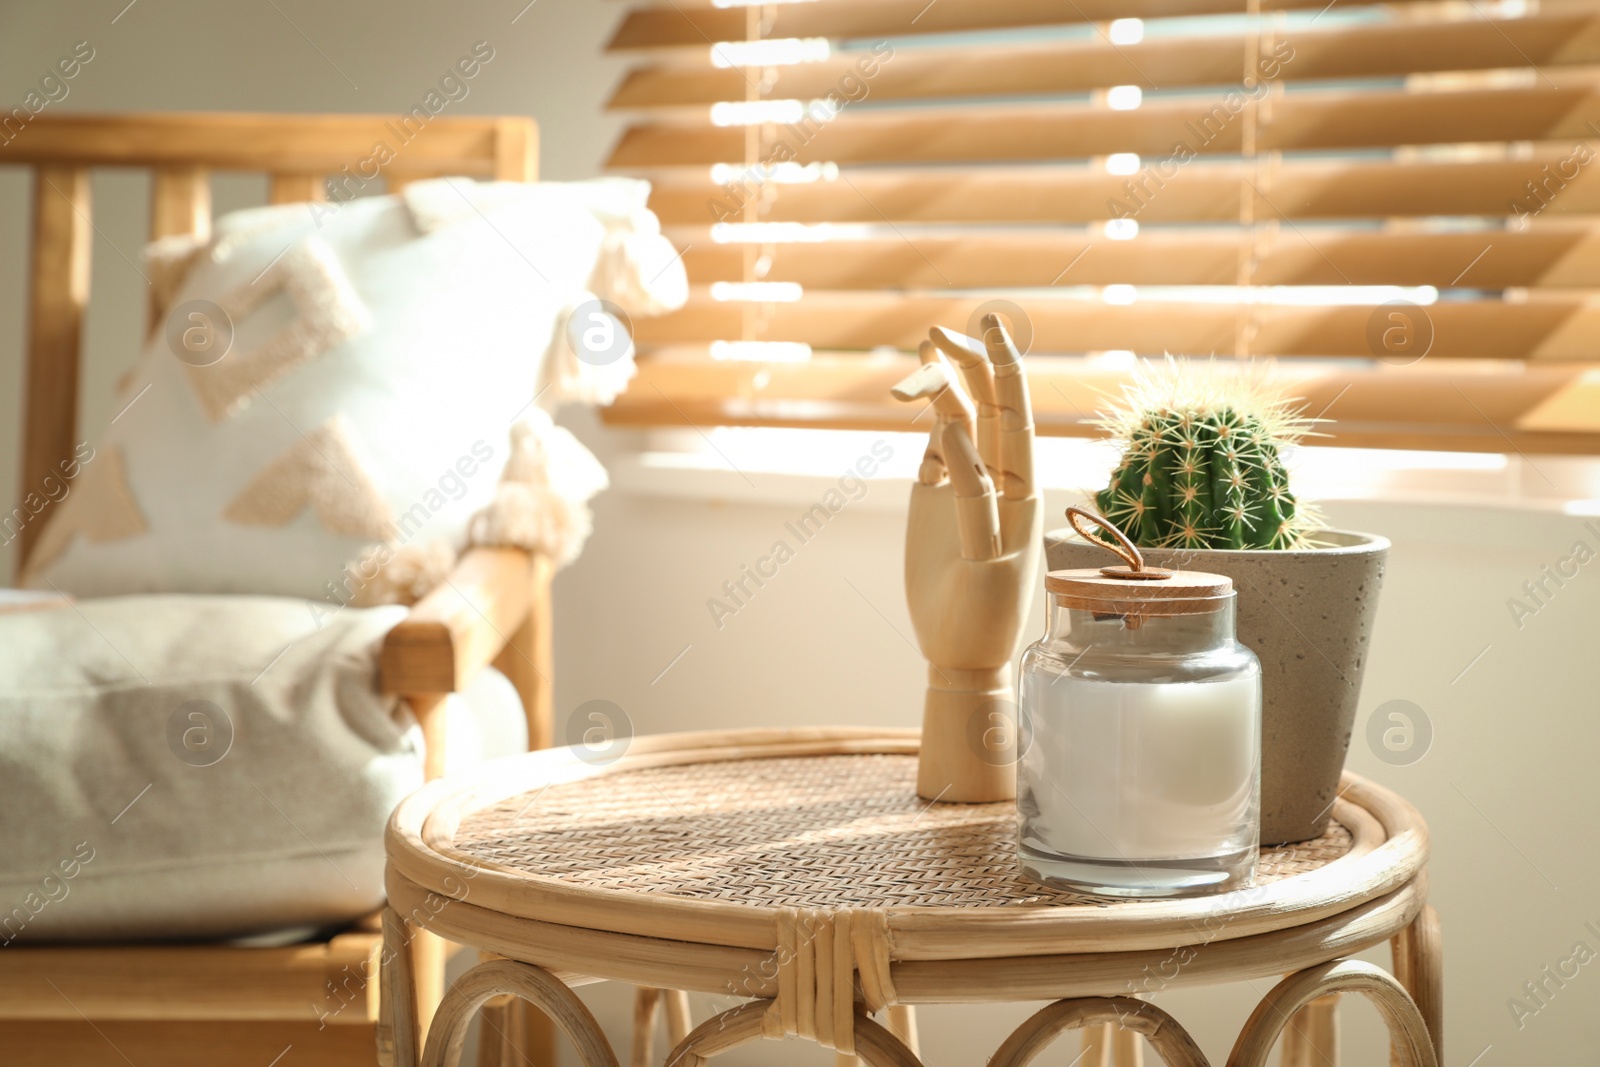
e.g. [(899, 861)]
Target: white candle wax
[(1133, 771)]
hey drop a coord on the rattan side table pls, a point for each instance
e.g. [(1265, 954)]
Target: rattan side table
[(797, 872)]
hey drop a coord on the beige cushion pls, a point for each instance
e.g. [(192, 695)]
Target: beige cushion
[(195, 767)]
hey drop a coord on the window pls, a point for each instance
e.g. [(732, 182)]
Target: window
[(1392, 201)]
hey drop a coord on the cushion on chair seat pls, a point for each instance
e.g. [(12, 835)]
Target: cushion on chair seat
[(203, 767)]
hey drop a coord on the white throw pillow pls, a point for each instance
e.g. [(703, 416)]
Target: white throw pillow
[(336, 377)]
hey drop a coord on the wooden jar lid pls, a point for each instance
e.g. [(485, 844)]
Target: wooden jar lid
[(1134, 589), (1154, 592)]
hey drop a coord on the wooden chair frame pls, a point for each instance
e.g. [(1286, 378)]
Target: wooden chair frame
[(177, 1004)]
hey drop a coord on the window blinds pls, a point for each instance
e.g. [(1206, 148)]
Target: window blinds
[(1397, 203)]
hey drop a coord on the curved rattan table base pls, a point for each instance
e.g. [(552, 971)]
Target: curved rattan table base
[(1169, 1039), (538, 987), (797, 870), (877, 1047), (1408, 1032), (740, 1026)]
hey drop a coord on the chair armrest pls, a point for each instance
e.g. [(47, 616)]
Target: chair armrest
[(459, 627)]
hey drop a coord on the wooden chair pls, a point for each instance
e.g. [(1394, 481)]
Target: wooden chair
[(182, 1005)]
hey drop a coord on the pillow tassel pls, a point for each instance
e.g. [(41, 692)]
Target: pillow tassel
[(542, 501), (399, 573)]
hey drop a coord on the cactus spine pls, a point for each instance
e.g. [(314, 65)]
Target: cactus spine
[(1202, 465)]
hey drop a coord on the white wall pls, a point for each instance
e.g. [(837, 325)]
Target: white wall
[(1508, 782)]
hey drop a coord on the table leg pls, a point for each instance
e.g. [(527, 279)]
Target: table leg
[(1418, 953), (495, 1026), (1127, 1050), (399, 1042), (1312, 1036), (1097, 1045), (513, 1033), (679, 1021), (428, 955), (536, 1031), (1107, 1045), (646, 1006), (903, 1024)]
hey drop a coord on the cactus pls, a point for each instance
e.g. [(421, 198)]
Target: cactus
[(1202, 463)]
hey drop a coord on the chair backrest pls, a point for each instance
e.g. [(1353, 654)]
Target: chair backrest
[(300, 154)]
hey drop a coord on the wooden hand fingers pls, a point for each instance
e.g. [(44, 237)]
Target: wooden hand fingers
[(932, 470), (934, 381), (977, 514), (973, 360), (1015, 410), (976, 447)]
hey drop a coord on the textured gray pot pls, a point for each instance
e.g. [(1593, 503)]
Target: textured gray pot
[(1307, 614)]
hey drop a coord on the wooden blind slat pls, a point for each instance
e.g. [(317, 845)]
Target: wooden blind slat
[(1206, 192), (1473, 409), (1477, 43), (676, 25), (1554, 257), (1309, 121), (1545, 327)]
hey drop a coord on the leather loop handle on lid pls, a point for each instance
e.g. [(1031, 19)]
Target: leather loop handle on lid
[(1125, 549)]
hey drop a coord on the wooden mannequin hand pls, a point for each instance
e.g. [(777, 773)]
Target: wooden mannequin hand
[(972, 555)]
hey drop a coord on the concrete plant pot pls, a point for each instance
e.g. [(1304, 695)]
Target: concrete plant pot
[(1308, 615)]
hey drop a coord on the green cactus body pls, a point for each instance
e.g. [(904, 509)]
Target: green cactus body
[(1202, 479)]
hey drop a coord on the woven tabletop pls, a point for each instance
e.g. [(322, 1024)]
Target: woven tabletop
[(817, 831)]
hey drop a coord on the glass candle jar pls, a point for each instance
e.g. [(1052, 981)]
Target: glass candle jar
[(1142, 776)]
